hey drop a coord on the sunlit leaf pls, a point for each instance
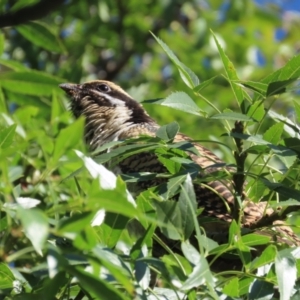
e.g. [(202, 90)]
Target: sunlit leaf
[(286, 273), (231, 288), (180, 101), (230, 72), (267, 256), (35, 225)]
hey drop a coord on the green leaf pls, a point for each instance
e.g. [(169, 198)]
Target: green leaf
[(67, 139), (2, 41), (94, 285), (282, 204), (244, 252), (3, 102), (244, 284), (187, 195), (254, 239), (200, 274), (136, 250), (52, 286), (250, 138), (76, 222), (142, 272), (278, 87), (110, 230), (297, 110), (258, 87), (293, 143), (35, 224), (292, 129), (231, 288), (116, 267), (7, 135), (14, 65), (40, 35), (6, 277), (188, 76), (145, 206), (258, 149), (172, 166), (232, 116), (234, 232), (289, 72), (274, 133), (168, 213), (256, 111), (168, 132), (261, 290), (282, 189), (22, 3), (267, 257), (106, 199), (204, 84), (30, 82), (56, 109), (180, 101), (231, 73), (125, 151), (286, 272), (86, 239), (257, 190), (173, 186)]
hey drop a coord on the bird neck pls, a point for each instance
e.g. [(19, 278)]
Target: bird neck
[(113, 124)]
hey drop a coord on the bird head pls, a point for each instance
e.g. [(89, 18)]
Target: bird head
[(107, 108)]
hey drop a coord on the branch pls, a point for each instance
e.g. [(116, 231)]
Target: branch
[(29, 13)]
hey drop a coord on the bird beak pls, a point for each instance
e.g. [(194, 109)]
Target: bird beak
[(70, 88)]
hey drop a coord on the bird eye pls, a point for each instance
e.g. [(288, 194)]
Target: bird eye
[(103, 88)]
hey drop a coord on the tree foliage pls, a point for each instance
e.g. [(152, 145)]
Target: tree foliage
[(65, 219)]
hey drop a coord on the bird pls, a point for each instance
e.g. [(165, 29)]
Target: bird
[(111, 114)]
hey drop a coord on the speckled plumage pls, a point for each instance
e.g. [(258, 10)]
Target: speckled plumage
[(111, 115)]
